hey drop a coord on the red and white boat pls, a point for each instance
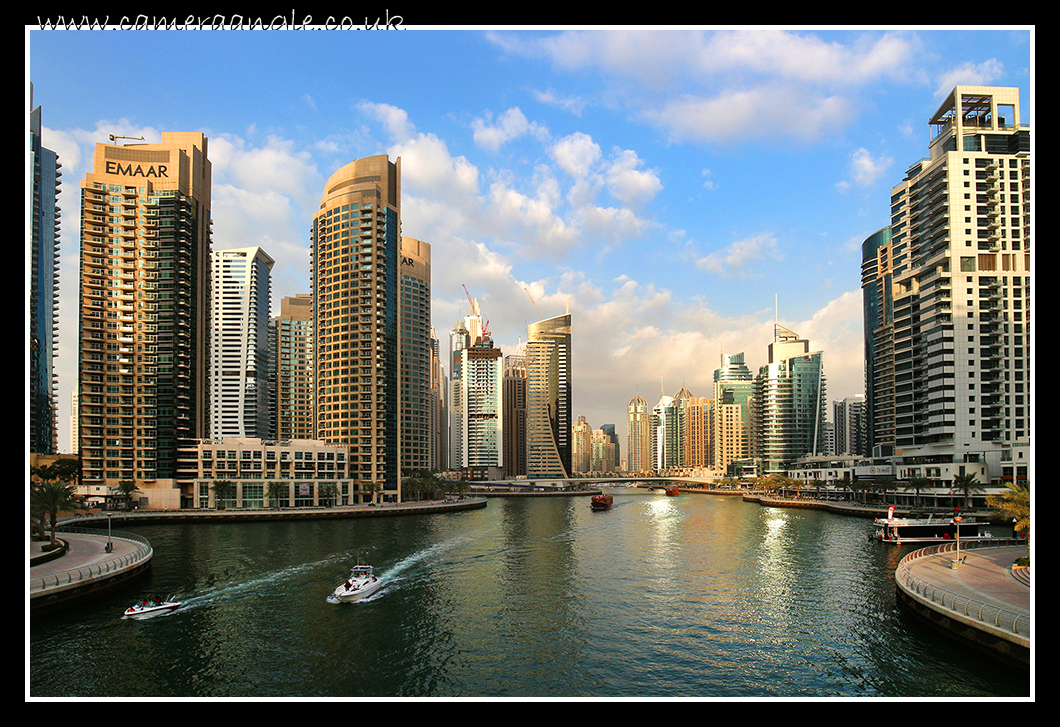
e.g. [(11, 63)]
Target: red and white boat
[(150, 605), (602, 501)]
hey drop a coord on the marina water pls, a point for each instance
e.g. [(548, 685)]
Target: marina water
[(689, 596)]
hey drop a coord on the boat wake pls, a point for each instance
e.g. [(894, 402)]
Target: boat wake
[(244, 589)]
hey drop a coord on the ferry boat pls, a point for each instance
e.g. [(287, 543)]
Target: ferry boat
[(602, 501), (926, 530), (361, 584), (671, 491)]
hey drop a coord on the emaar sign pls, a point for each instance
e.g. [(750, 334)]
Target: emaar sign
[(128, 170)]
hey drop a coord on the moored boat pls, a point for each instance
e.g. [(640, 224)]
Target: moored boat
[(602, 501), (151, 604), (362, 583), (927, 530)]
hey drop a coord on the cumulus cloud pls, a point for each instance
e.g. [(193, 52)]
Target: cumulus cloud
[(740, 257), (628, 183), (865, 169), (576, 154), (970, 74), (512, 124)]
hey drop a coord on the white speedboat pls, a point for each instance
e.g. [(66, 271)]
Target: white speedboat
[(151, 605), (361, 584)]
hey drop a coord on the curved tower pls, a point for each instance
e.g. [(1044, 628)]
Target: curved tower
[(356, 239)]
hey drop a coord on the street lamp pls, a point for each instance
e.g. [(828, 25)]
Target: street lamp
[(957, 534), (110, 544)]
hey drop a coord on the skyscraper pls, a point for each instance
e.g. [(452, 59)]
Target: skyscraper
[(145, 258), (733, 391), (848, 417), (515, 413), (789, 403), (877, 280), (959, 343), (240, 299), (548, 398), (581, 446), (638, 435), (355, 245), (43, 289), (293, 365), (416, 405)]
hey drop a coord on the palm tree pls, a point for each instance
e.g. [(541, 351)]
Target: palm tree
[(222, 490), (55, 491), (326, 492), (126, 488), (1014, 505), (51, 497), (917, 484), (966, 484), (274, 490)]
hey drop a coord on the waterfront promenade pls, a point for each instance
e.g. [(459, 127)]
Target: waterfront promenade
[(974, 593)]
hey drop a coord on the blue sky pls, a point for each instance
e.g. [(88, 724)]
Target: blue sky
[(675, 188)]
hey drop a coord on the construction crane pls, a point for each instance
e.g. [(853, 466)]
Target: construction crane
[(134, 138), (475, 311), (541, 317)]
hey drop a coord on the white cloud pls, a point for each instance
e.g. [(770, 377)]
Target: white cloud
[(576, 154), (865, 169), (742, 256), (512, 124), (628, 183), (970, 74)]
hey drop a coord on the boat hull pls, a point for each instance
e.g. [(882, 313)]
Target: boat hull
[(601, 502), (357, 590), (140, 613)]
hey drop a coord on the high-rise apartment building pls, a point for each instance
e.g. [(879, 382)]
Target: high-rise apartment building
[(733, 391), (954, 353), (848, 431), (612, 435), (439, 441), (877, 280), (699, 432), (581, 446), (515, 413), (417, 425), (548, 398), (638, 435), (145, 261), (355, 245), (240, 301), (483, 415), (43, 290), (665, 434), (789, 403), (601, 452), (292, 347)]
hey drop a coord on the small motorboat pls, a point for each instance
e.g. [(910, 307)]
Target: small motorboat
[(362, 583), (151, 604), (602, 501)]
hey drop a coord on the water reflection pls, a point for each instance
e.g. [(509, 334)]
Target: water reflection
[(660, 596)]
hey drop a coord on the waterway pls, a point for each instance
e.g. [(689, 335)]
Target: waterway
[(690, 596)]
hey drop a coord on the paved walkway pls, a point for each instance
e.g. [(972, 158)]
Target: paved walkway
[(985, 575), (85, 552)]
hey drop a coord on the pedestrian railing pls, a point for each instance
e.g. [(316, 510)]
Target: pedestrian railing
[(142, 552), (1001, 618)]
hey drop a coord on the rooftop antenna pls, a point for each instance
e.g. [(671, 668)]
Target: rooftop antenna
[(135, 138)]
